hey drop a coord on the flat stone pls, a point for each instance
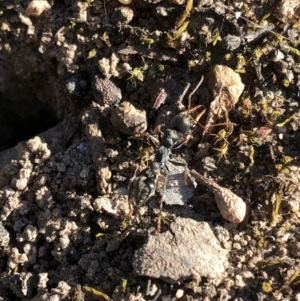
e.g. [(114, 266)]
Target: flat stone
[(189, 249), (177, 191)]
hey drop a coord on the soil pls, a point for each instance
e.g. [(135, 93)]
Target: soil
[(97, 197)]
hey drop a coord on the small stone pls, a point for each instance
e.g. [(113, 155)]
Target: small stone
[(19, 184), (152, 290), (30, 233), (179, 294), (125, 2), (282, 129), (105, 91), (84, 172), (232, 42), (287, 10), (122, 15), (129, 120), (37, 7), (104, 66), (116, 207), (4, 234), (222, 76), (277, 56), (177, 191), (190, 248), (75, 86)]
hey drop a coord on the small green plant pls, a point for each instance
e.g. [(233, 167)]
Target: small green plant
[(136, 74)]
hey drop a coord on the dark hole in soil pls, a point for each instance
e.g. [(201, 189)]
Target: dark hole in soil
[(22, 113)]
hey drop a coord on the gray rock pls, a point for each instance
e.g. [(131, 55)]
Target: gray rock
[(177, 191), (188, 250)]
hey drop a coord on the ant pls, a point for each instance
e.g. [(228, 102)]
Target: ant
[(143, 185)]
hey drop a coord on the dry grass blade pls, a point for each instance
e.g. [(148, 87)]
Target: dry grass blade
[(231, 206), (185, 13), (97, 294)]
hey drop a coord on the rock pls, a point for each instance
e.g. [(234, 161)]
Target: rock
[(177, 192), (232, 42), (129, 120), (226, 87), (105, 91), (188, 250), (287, 10), (221, 77), (122, 15), (4, 234), (36, 8)]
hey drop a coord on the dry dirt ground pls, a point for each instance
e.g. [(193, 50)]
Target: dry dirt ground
[(89, 94)]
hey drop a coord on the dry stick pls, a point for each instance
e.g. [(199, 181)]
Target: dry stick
[(231, 206)]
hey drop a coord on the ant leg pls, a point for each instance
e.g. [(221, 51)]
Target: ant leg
[(199, 115), (214, 125), (161, 201), (179, 101), (186, 175), (156, 130), (194, 109), (193, 92), (130, 205)]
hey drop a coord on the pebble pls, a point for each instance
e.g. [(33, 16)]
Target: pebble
[(177, 191), (4, 234), (122, 15), (37, 7), (125, 2), (286, 10), (179, 294), (282, 129), (129, 120), (84, 172)]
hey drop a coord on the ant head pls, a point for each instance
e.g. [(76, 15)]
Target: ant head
[(183, 122)]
